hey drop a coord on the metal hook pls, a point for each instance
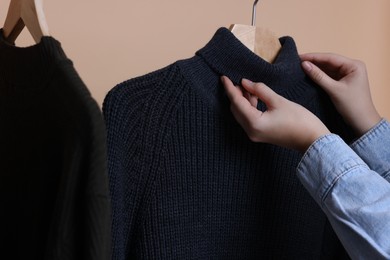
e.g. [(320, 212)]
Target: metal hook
[(254, 13)]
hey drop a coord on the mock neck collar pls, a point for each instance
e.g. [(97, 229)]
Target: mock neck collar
[(29, 66), (226, 55)]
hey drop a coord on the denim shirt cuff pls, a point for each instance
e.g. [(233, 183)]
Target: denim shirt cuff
[(374, 148), (326, 160)]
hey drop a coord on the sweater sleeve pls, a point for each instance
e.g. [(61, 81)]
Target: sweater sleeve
[(136, 113), (122, 109)]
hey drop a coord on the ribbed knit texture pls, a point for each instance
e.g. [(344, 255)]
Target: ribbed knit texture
[(53, 165), (185, 180)]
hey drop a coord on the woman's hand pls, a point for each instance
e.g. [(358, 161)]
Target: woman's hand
[(346, 82), (284, 123)]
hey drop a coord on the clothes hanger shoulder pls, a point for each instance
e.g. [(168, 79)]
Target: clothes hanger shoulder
[(27, 13), (260, 40)]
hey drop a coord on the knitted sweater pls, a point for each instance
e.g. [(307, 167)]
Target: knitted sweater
[(54, 196), (187, 183)]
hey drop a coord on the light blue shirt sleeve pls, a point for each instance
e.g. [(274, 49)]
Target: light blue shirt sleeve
[(355, 198), (374, 148)]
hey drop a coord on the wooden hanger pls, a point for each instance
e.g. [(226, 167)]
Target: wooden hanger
[(27, 13), (261, 41)]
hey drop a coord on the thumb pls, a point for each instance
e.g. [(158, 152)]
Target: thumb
[(262, 91), (318, 76)]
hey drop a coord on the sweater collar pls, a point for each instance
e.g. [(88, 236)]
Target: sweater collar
[(226, 55), (29, 66)]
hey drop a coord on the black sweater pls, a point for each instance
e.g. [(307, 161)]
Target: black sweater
[(187, 183), (53, 165)]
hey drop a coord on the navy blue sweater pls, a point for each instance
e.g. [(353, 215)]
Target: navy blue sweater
[(185, 180)]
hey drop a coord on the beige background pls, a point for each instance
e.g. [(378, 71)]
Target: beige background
[(111, 41)]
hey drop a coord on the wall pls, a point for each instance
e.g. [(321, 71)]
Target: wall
[(111, 41)]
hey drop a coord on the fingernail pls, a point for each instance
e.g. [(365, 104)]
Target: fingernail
[(247, 82), (223, 79), (307, 65)]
